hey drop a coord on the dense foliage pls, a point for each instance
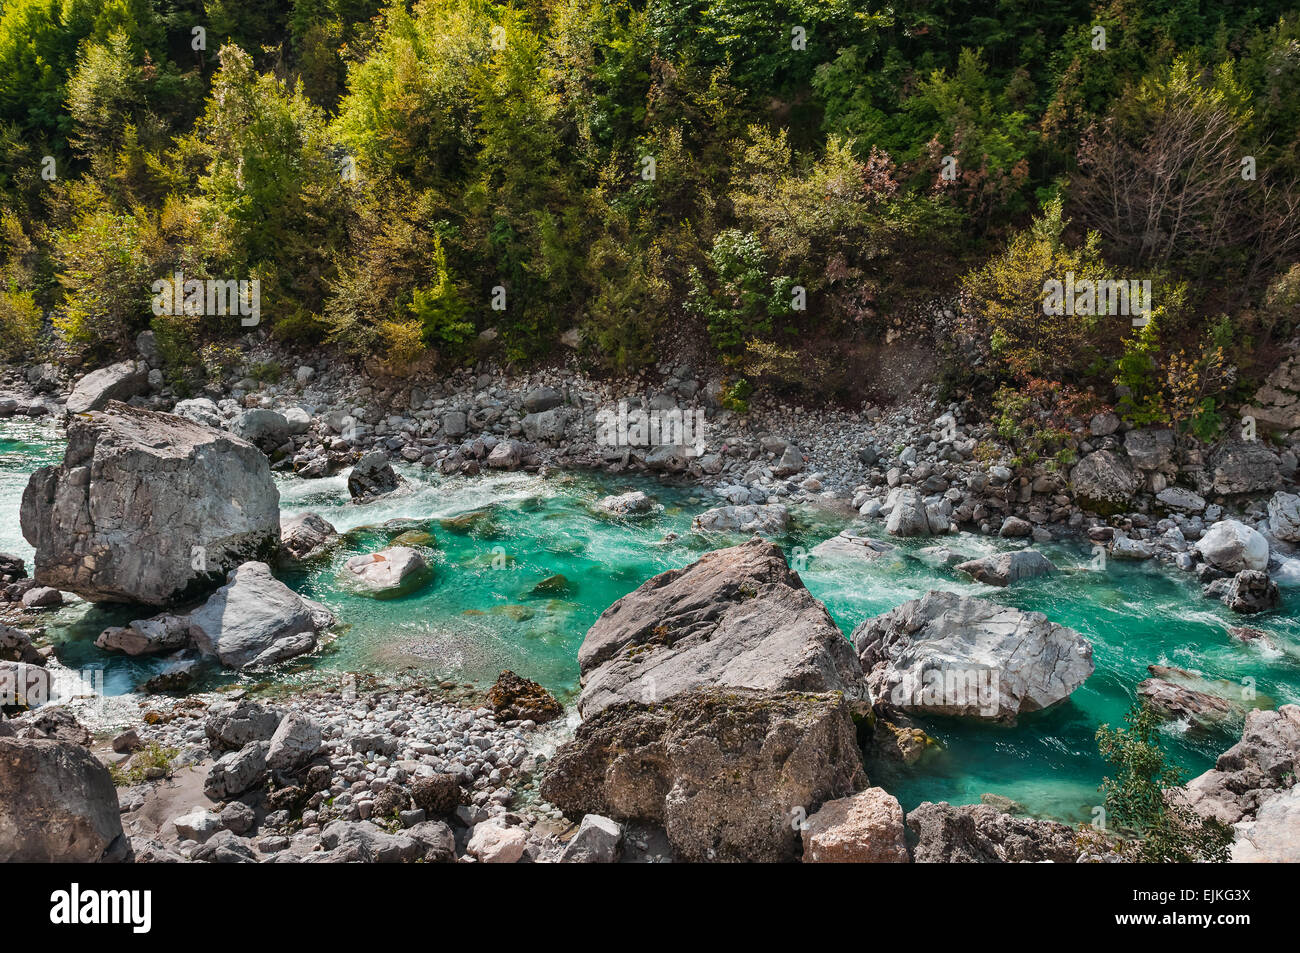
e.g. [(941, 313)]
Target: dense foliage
[(782, 183)]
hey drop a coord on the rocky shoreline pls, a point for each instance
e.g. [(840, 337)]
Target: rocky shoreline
[(688, 683)]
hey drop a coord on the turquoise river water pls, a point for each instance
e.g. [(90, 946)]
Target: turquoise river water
[(480, 613)]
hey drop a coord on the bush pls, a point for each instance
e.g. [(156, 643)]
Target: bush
[(20, 324), (1142, 799)]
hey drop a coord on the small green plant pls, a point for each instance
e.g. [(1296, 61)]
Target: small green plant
[(153, 755), (735, 395), (1142, 799), (266, 372)]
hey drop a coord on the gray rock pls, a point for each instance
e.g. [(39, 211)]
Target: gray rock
[(238, 818), (115, 382), (263, 428), (162, 633), (57, 805), (548, 426), (1248, 467), (148, 508), (1232, 546), (372, 476), (625, 505), (363, 842), (765, 519), (256, 620), (304, 538), (236, 772), (849, 546), (1150, 449), (910, 516), (1274, 836), (200, 410), (982, 834), (198, 825), (736, 617), (958, 655), (597, 842), (725, 772), (232, 725), (387, 574), (1265, 761), (1103, 478), (1252, 591), (295, 742), (1183, 500), (543, 398), (1002, 569), (1284, 516)]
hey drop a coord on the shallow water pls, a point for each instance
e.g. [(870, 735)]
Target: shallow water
[(480, 612)]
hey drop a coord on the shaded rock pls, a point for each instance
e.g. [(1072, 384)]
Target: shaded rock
[(1284, 516), (263, 428), (16, 646), (864, 828), (1150, 449), (51, 723), (542, 398), (736, 617), (438, 794), (57, 805), (1002, 569), (597, 842), (982, 834), (436, 841), (116, 382), (547, 426), (364, 842), (1178, 498), (148, 508), (910, 516), (723, 771), (42, 597), (304, 538), (957, 655), (515, 697), (256, 620), (1252, 591), (372, 476)]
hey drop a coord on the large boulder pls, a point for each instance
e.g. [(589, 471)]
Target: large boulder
[(265, 429), (546, 426), (1103, 479), (254, 619), (148, 508), (1002, 569), (1171, 695), (294, 744), (231, 725), (728, 773), (630, 504), (736, 617), (58, 804), (388, 574), (765, 519), (1232, 546), (957, 655), (863, 828), (116, 382), (982, 834)]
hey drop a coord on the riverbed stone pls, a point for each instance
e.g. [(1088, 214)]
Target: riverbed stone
[(120, 381), (1232, 546), (387, 574), (254, 619), (863, 828), (1002, 569)]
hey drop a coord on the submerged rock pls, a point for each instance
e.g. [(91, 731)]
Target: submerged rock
[(162, 633), (726, 772), (958, 655), (851, 546), (736, 617), (1169, 694), (1252, 591), (392, 572), (148, 508), (635, 503), (254, 619), (1002, 569)]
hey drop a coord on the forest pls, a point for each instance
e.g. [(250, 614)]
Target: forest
[(780, 184)]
